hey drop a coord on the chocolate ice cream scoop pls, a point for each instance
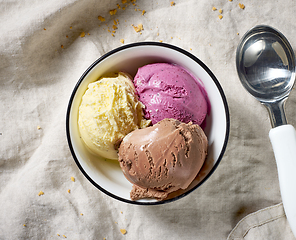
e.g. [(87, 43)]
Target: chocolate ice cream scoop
[(162, 158)]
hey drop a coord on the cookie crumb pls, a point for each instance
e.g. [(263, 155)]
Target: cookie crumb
[(102, 19), (71, 27), (64, 236), (160, 41), (143, 12), (69, 191), (121, 212), (220, 10), (62, 46), (81, 214), (44, 29), (230, 0), (82, 34), (58, 234), (138, 28), (220, 16), (38, 127), (113, 12), (123, 231), (214, 9), (173, 3), (72, 179), (40, 193), (242, 6), (24, 225), (122, 41)]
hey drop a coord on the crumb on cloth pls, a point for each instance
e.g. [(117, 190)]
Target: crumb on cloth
[(102, 19), (242, 6), (113, 12), (138, 28)]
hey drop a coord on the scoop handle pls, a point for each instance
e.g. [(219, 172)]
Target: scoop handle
[(283, 140)]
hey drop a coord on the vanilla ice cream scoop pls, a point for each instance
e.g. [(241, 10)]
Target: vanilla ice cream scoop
[(162, 158), (109, 110)]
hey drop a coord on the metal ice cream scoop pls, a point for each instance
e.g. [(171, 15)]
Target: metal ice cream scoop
[(265, 64)]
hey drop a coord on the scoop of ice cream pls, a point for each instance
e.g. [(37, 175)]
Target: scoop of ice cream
[(109, 110), (162, 158), (169, 91)]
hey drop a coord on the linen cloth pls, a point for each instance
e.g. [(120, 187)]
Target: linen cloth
[(269, 223), (45, 46)]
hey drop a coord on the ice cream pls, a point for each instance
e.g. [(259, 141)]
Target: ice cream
[(162, 158), (109, 110), (169, 91)]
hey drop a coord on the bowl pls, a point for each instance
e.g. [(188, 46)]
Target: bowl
[(106, 175)]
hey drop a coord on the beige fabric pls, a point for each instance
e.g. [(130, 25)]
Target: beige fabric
[(43, 53), (269, 223)]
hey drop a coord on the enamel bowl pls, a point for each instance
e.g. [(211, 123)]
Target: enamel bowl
[(106, 175)]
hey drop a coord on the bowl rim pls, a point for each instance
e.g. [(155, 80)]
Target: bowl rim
[(137, 44)]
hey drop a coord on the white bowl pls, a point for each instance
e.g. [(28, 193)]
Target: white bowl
[(105, 174)]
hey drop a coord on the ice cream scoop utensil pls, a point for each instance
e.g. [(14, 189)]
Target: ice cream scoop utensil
[(265, 64)]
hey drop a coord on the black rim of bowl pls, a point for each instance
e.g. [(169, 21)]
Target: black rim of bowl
[(165, 45)]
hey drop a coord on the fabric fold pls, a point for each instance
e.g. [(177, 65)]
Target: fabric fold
[(268, 223)]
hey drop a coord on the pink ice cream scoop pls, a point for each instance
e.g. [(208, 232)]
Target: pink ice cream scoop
[(169, 91)]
